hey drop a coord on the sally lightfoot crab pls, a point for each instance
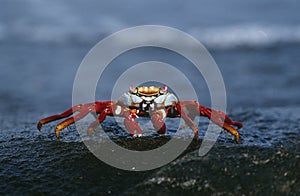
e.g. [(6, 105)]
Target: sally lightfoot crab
[(155, 102)]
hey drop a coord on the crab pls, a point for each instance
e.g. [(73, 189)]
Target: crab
[(149, 101)]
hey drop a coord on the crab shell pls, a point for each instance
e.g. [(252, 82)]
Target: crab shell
[(148, 98)]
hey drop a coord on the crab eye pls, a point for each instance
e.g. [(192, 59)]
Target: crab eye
[(164, 88), (132, 90)]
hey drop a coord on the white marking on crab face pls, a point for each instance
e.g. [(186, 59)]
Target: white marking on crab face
[(160, 99), (148, 99), (170, 99), (118, 110), (167, 99), (130, 99), (136, 99), (125, 98)]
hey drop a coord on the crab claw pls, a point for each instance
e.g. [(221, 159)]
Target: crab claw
[(157, 119), (131, 125)]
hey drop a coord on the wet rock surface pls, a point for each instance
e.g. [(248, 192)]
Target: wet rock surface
[(267, 160)]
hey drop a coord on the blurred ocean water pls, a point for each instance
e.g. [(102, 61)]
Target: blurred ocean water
[(256, 45)]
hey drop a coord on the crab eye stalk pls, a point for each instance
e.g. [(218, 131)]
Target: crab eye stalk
[(164, 88), (133, 89)]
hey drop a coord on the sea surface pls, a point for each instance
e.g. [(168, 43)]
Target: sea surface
[(256, 45)]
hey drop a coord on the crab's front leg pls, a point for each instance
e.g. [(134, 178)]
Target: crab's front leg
[(131, 125), (114, 109), (188, 120)]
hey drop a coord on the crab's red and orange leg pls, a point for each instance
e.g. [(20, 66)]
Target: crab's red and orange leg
[(69, 121), (83, 110), (216, 116), (67, 113), (188, 120), (131, 125), (129, 118), (107, 109), (99, 120), (221, 119), (157, 118)]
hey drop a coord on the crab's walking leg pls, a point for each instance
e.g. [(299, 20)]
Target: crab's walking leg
[(222, 120), (99, 120), (187, 120), (82, 109), (69, 121), (157, 118), (65, 114), (107, 110)]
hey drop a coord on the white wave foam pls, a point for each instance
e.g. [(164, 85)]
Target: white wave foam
[(59, 21), (247, 35), (226, 37)]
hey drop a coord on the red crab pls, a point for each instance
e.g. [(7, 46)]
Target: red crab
[(151, 101)]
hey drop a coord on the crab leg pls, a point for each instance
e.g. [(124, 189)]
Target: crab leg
[(157, 118), (207, 112), (102, 116), (222, 120), (216, 116), (187, 120), (83, 109), (99, 120), (69, 121), (130, 123), (65, 114), (114, 109), (101, 108)]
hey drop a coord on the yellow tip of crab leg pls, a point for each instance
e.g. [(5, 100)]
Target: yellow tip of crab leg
[(46, 120), (63, 125), (70, 121), (55, 117), (232, 131)]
